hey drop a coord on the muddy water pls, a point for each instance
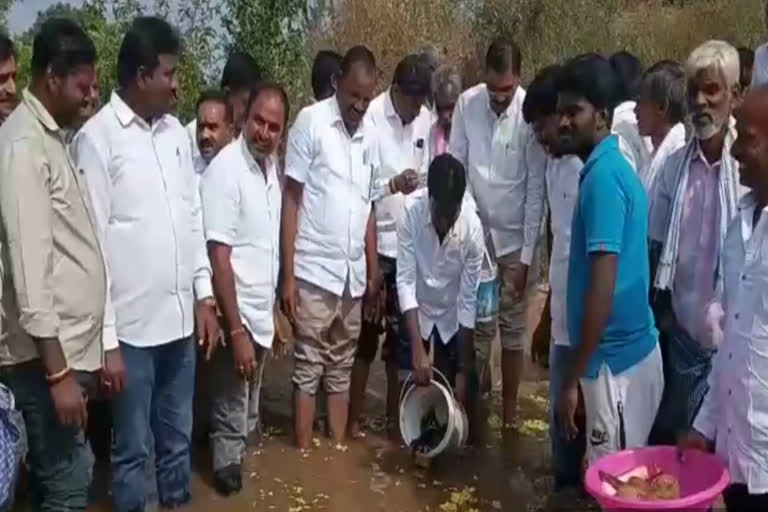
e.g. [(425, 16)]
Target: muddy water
[(508, 471)]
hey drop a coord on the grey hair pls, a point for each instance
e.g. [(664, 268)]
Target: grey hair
[(717, 55), (446, 76)]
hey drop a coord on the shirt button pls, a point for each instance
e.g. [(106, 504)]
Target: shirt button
[(730, 392), (729, 430), (736, 316), (730, 355), (743, 277)]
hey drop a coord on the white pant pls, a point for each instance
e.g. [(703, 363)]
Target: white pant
[(626, 402)]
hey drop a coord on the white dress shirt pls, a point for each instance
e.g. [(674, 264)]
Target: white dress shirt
[(504, 169), (562, 192), (635, 148), (147, 211), (399, 148), (674, 140), (760, 67), (338, 172), (735, 410), (439, 279), (199, 162), (241, 209)]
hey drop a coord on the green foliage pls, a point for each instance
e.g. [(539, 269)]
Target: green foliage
[(273, 31)]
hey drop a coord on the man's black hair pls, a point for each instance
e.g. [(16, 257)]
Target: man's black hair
[(273, 87), (446, 182), (541, 96), (591, 77), (358, 55), (325, 69), (217, 96), (664, 84), (413, 77), (146, 39), (61, 45), (7, 48), (628, 70), (746, 61), (503, 56), (240, 72)]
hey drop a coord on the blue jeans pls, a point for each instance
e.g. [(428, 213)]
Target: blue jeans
[(153, 417), (566, 454), (59, 458)]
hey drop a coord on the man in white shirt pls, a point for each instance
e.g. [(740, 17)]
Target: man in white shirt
[(490, 138), (732, 417), (401, 125), (215, 127), (241, 210), (329, 240), (440, 252), (696, 196), (240, 74), (635, 148), (562, 181), (138, 164), (660, 112)]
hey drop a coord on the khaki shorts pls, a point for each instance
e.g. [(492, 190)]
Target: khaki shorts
[(511, 316), (327, 328)]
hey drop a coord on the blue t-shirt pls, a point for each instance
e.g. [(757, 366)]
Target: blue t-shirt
[(611, 216)]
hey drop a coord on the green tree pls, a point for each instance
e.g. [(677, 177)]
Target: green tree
[(106, 23), (273, 31)]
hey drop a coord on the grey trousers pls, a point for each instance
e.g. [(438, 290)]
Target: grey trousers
[(234, 407)]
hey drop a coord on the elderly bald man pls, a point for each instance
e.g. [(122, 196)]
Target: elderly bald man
[(732, 417)]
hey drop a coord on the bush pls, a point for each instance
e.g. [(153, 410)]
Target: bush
[(547, 31)]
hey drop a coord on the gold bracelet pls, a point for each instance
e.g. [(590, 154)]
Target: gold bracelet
[(235, 332), (58, 376)]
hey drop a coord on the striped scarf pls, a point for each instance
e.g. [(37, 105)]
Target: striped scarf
[(728, 194)]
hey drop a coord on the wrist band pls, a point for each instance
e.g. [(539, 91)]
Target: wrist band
[(58, 376)]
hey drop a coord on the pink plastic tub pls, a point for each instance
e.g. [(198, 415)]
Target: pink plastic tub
[(702, 478)]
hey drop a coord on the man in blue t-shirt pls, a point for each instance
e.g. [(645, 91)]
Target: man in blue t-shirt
[(616, 358)]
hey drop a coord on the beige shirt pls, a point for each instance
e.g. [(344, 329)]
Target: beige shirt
[(54, 279)]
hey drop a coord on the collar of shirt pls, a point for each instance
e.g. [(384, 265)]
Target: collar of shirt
[(126, 115), (336, 119), (699, 156), (511, 108), (389, 108), (40, 112), (625, 108), (269, 174), (609, 143)]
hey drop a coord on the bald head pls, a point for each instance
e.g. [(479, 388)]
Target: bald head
[(751, 146)]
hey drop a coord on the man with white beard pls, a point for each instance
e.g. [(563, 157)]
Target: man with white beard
[(696, 198)]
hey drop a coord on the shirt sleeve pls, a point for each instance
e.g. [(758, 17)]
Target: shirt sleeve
[(535, 161), (298, 156), (27, 215), (458, 144), (663, 196), (379, 179), (625, 148), (470, 275), (221, 205), (203, 276), (406, 263), (92, 158), (603, 205)]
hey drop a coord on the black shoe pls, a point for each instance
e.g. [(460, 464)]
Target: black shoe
[(228, 480)]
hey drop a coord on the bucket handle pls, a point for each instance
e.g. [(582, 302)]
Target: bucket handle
[(409, 383)]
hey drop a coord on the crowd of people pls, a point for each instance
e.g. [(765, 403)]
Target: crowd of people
[(137, 253)]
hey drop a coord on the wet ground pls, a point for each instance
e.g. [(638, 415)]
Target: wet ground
[(509, 471)]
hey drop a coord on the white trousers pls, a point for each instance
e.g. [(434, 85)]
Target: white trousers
[(621, 409)]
